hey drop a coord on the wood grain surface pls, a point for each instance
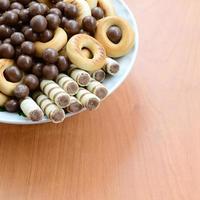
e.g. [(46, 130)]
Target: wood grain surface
[(144, 141)]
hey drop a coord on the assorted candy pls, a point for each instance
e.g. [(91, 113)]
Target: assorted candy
[(55, 55)]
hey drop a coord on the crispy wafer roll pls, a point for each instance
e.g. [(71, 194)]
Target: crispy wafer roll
[(87, 99), (111, 67), (68, 84), (98, 75), (79, 75), (52, 111), (98, 89), (55, 93), (31, 109), (74, 106)]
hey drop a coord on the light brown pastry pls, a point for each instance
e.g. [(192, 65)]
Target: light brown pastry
[(3, 99), (107, 7)]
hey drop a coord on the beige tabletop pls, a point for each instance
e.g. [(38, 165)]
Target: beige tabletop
[(144, 141)]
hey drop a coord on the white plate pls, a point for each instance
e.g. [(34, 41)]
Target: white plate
[(112, 83)]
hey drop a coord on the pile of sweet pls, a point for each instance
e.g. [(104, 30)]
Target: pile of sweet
[(54, 55)]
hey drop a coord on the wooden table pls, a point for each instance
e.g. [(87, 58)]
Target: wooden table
[(144, 141)]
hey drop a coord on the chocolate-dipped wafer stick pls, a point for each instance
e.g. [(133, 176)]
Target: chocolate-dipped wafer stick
[(74, 106), (52, 111), (111, 67), (98, 89), (87, 99), (31, 109), (79, 75), (55, 93), (68, 84), (98, 75)]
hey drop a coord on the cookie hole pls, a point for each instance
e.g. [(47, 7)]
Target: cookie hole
[(114, 34), (87, 53)]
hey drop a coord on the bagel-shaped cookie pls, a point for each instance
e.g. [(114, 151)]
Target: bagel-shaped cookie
[(107, 7), (3, 99), (92, 3), (6, 87), (57, 42), (74, 51), (127, 41)]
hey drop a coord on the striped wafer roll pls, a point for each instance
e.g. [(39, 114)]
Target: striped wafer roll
[(68, 84), (87, 99), (74, 106), (98, 89), (111, 67), (55, 93), (31, 109), (79, 75), (52, 111), (98, 75)]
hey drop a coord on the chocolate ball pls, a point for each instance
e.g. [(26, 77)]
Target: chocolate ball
[(37, 9), (28, 48), (1, 20), (97, 13), (45, 8), (24, 62), (38, 23), (24, 2), (31, 81), (62, 64), (16, 5), (70, 11), (53, 21), (89, 24), (12, 105), (7, 40), (11, 18), (24, 28), (21, 91), (50, 55), (50, 72), (55, 11), (24, 15), (64, 21), (46, 36), (72, 27), (17, 11), (37, 69), (7, 51), (114, 34), (17, 38), (13, 74), (18, 51), (4, 5), (5, 32), (30, 35), (61, 5)]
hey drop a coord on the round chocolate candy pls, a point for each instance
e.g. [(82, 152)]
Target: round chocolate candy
[(45, 8), (21, 91), (46, 36), (31, 81), (61, 5), (10, 18), (37, 9), (97, 13), (1, 20), (7, 40), (12, 105), (50, 72), (50, 55), (13, 74), (24, 62), (17, 11), (70, 11), (28, 48), (38, 23), (89, 24), (37, 69), (24, 28), (55, 11), (17, 38), (114, 34), (24, 2), (53, 21), (16, 5), (62, 64), (24, 15), (72, 27), (30, 35), (5, 32), (7, 51), (18, 51), (4, 5)]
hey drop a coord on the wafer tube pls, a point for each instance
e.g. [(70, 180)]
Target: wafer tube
[(31, 109), (74, 106), (68, 84), (87, 99), (98, 89), (55, 93), (79, 75), (98, 75), (111, 67), (3, 99), (51, 110)]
